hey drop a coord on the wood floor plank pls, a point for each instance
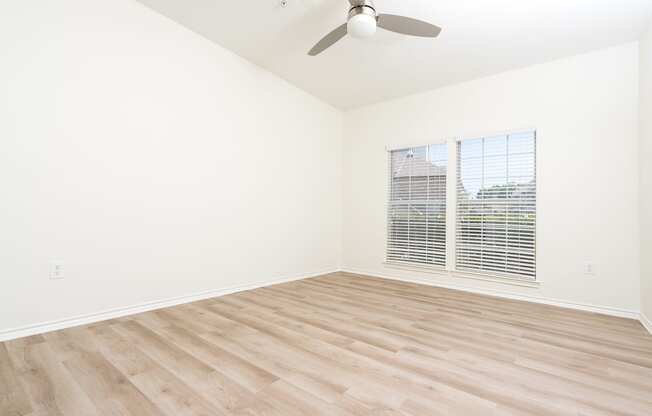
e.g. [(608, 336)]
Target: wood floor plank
[(109, 389), (245, 373), (51, 386), (170, 394), (211, 384), (339, 344), (13, 399)]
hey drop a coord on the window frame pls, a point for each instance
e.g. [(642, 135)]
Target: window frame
[(451, 216)]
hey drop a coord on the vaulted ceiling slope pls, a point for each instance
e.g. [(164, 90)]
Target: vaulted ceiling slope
[(479, 38)]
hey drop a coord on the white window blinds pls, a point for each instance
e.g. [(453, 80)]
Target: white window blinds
[(417, 205), (496, 205)]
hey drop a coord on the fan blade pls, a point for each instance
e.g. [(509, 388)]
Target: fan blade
[(328, 40), (408, 26)]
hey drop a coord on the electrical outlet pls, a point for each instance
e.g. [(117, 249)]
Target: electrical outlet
[(56, 270), (589, 268)]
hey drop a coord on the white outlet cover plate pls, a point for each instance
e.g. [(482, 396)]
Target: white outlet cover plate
[(56, 269)]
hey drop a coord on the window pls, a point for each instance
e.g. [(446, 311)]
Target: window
[(417, 205), (496, 205), (493, 208)]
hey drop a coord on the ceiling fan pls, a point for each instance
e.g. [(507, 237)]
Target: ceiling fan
[(362, 23)]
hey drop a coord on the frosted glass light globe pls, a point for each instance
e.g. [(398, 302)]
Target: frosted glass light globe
[(361, 26)]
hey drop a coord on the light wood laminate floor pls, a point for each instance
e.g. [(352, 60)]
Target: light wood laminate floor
[(336, 345)]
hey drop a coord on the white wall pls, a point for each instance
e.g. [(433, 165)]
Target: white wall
[(154, 163), (645, 187), (585, 112)]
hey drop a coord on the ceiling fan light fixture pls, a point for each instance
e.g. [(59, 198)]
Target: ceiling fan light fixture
[(362, 22)]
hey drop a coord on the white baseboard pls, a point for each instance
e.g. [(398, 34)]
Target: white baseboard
[(646, 322), (605, 310), (9, 334), (14, 333)]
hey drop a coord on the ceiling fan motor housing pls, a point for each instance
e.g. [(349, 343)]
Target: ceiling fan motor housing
[(365, 7)]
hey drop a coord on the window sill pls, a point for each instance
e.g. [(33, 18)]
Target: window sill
[(487, 277)]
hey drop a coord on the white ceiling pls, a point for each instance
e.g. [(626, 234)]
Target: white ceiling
[(479, 38)]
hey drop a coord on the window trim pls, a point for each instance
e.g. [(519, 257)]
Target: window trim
[(450, 269), (463, 274)]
